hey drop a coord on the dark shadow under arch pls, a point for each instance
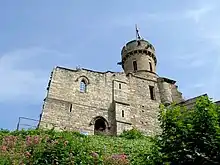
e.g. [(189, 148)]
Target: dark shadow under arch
[(101, 125)]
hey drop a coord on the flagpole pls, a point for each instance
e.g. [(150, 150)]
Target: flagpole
[(137, 33)]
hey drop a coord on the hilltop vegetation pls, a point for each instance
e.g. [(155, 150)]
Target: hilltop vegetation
[(188, 137), (50, 147)]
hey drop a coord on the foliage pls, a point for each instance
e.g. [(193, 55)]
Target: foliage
[(116, 159), (190, 135), (132, 134), (38, 147)]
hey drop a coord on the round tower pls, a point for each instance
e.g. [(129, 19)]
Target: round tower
[(138, 57)]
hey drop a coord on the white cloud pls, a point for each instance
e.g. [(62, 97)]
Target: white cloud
[(194, 60), (202, 58), (25, 73), (198, 13)]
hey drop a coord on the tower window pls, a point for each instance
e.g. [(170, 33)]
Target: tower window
[(150, 64), (122, 113), (83, 86), (119, 86), (71, 106), (152, 93), (135, 65)]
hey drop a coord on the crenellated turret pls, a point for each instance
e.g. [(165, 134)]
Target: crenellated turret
[(138, 56)]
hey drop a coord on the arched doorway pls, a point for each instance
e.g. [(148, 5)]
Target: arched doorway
[(100, 125)]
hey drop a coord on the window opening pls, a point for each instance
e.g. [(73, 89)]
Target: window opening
[(122, 113), (152, 94), (83, 86), (135, 65), (151, 69), (71, 107), (119, 86)]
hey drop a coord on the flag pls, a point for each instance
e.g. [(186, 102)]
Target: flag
[(137, 32)]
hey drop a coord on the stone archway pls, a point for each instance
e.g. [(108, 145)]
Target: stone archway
[(100, 125)]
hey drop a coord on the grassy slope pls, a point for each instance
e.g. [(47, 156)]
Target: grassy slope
[(40, 147)]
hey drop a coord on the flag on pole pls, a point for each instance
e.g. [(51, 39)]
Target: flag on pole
[(137, 33)]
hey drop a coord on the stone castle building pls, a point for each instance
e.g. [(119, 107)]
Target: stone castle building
[(110, 102)]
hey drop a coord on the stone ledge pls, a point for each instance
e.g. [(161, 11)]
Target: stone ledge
[(123, 122), (118, 102)]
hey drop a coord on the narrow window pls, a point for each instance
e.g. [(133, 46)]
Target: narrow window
[(151, 69), (119, 86), (152, 94), (83, 86), (135, 65), (71, 107), (122, 113)]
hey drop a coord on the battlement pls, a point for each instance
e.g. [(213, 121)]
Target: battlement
[(89, 70), (137, 44), (138, 47)]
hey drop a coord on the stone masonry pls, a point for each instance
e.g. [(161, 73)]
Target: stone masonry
[(110, 102)]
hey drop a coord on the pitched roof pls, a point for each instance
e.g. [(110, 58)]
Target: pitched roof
[(191, 102)]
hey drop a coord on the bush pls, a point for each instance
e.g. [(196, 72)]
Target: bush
[(118, 159), (191, 135), (132, 134), (38, 147)]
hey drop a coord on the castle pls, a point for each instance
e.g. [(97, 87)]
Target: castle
[(109, 102)]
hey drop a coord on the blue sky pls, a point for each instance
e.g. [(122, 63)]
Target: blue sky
[(36, 36)]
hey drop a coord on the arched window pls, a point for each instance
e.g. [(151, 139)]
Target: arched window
[(83, 86)]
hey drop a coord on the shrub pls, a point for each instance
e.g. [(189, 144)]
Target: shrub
[(117, 159), (132, 134), (191, 135), (38, 147)]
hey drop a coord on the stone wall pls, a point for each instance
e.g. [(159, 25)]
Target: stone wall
[(123, 101), (168, 91), (144, 109), (65, 87), (176, 95), (96, 101)]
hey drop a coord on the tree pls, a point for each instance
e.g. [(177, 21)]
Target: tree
[(190, 136)]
